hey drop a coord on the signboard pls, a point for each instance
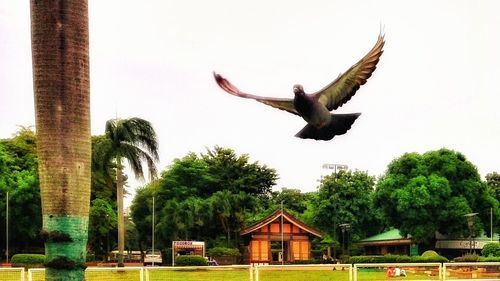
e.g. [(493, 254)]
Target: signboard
[(188, 247), (414, 250)]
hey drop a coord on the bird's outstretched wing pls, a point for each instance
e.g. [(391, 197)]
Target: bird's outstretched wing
[(345, 86), (280, 103)]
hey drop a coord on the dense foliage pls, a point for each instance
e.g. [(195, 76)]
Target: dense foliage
[(422, 194), (345, 197), (213, 195), (207, 197), (493, 182), (19, 177), (491, 249), (190, 261), (223, 251), (28, 260), (396, 259)]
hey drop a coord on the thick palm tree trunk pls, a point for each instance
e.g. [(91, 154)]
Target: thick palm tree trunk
[(60, 48)]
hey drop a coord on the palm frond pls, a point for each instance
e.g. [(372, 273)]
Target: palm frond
[(134, 139), (136, 156)]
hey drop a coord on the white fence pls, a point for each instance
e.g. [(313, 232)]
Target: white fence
[(459, 271), (98, 274), (12, 274), (310, 272), (486, 271), (174, 273), (385, 271)]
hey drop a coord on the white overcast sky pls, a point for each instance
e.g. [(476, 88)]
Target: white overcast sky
[(436, 84)]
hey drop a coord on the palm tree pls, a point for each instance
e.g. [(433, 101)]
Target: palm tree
[(133, 139), (60, 50)]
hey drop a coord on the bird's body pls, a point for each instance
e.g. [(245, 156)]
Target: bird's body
[(310, 109), (315, 108)]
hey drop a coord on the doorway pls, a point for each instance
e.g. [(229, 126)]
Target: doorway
[(276, 255)]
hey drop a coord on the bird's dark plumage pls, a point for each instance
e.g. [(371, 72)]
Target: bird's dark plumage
[(315, 108)]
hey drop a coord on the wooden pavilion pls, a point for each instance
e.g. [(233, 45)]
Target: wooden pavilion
[(264, 239)]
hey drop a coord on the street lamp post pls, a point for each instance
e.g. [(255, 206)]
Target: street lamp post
[(470, 223), (335, 167), (7, 229), (153, 232), (345, 227)]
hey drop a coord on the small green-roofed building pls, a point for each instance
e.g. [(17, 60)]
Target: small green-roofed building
[(389, 242)]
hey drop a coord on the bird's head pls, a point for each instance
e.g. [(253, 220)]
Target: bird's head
[(298, 90)]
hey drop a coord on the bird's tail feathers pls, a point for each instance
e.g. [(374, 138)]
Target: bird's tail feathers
[(339, 125)]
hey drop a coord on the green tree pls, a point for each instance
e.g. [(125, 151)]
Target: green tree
[(235, 173), (345, 197), (422, 194), (141, 214), (102, 222), (133, 140), (293, 200), (103, 178), (204, 197), (19, 177), (60, 50), (493, 181)]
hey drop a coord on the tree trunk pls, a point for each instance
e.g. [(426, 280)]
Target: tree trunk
[(60, 50), (121, 221)]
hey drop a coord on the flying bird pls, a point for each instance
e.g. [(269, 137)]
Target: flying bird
[(315, 108)]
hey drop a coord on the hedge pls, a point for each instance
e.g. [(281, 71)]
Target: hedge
[(489, 259), (396, 259), (223, 251), (28, 260), (190, 260)]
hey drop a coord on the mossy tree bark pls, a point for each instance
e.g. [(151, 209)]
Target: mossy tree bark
[(60, 50)]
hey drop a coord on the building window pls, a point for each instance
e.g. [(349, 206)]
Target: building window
[(260, 250)]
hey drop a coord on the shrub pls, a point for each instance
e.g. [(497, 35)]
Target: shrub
[(489, 259), (190, 260), (429, 258), (367, 259), (430, 254), (396, 259), (467, 258), (223, 251), (491, 249), (311, 261), (28, 260)]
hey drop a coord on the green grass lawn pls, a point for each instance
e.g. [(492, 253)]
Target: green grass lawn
[(306, 275), (199, 275), (97, 276), (231, 274), (381, 275)]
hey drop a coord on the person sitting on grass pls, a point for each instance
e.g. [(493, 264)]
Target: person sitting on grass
[(390, 272)]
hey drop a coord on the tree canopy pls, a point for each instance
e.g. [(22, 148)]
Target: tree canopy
[(424, 193), (206, 196), (19, 177), (345, 197), (493, 181)]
